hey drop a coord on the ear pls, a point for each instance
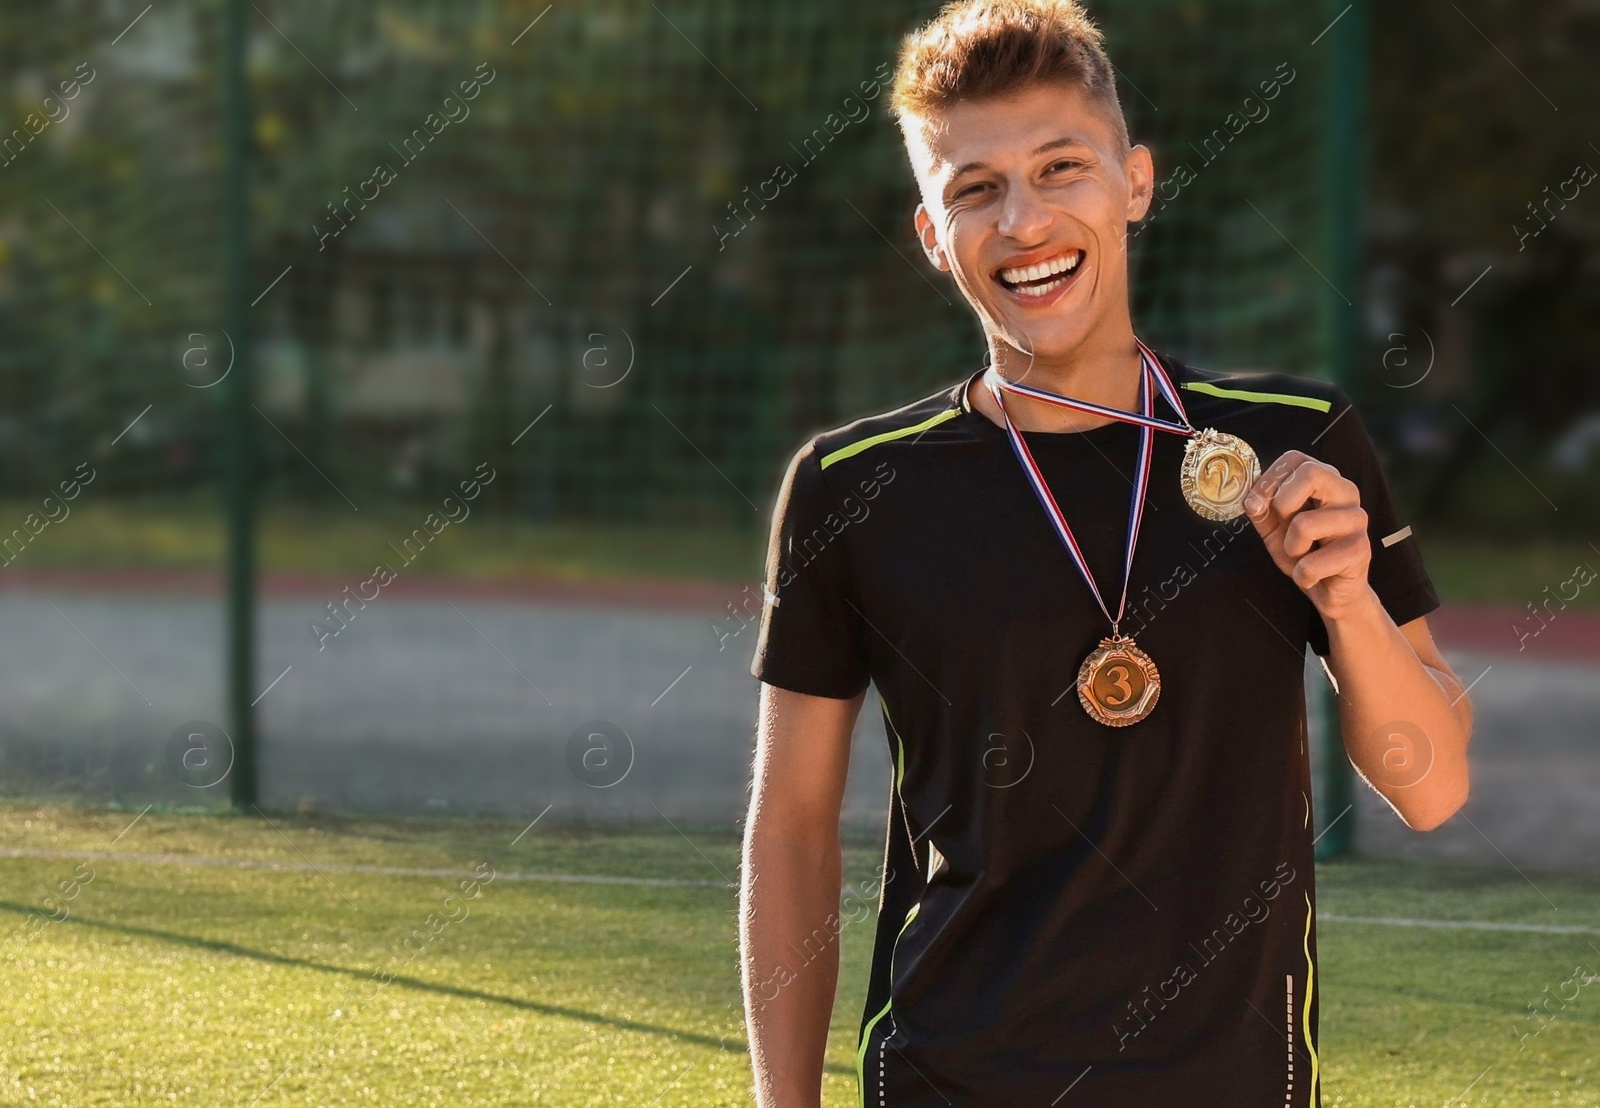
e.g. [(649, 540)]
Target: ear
[(1141, 172), (928, 232)]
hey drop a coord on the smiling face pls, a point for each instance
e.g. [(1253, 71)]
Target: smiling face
[(1026, 201)]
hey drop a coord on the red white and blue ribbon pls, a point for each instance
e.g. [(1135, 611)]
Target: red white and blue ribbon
[(1147, 423), (1164, 383), (1152, 369)]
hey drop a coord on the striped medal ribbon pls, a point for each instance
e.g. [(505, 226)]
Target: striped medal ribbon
[(1218, 468), (1152, 370), (1118, 684)]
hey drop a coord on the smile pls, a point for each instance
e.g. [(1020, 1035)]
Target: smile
[(1039, 281)]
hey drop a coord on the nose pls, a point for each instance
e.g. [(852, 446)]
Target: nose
[(1024, 217)]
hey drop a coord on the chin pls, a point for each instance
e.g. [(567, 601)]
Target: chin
[(1047, 340)]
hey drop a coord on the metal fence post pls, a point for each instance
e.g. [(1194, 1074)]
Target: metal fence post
[(1345, 154), (239, 466)]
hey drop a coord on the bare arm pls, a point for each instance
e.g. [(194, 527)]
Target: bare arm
[(1403, 714), (789, 892), (1404, 719)]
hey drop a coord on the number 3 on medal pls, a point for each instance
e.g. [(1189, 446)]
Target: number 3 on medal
[(1118, 684), (1118, 676)]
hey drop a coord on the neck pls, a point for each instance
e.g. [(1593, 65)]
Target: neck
[(1103, 370)]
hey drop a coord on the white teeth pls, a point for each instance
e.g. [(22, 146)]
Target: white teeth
[(1042, 290), (1064, 264)]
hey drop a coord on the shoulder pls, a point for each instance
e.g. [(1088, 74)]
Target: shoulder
[(1238, 392), (1273, 411), (865, 445), (1278, 412)]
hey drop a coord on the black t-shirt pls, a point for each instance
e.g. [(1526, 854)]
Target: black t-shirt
[(1126, 912)]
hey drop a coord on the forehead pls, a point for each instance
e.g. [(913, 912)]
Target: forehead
[(1001, 130)]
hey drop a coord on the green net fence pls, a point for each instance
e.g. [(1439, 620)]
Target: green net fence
[(622, 256), (591, 227)]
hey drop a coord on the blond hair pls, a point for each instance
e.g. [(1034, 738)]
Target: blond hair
[(974, 49)]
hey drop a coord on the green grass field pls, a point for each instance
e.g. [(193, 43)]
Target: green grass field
[(189, 532), (226, 985)]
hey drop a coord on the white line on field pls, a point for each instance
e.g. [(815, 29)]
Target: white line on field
[(378, 871), (1460, 924), (672, 883)]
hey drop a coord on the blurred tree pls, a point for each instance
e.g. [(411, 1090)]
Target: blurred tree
[(1483, 112)]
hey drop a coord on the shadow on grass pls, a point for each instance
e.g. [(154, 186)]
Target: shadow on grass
[(237, 951)]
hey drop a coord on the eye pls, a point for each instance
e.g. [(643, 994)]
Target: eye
[(971, 190), (1064, 165)]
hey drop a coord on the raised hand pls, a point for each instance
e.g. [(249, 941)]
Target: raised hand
[(1311, 519)]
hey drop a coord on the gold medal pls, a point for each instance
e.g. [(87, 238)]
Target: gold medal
[(1218, 470), (1118, 684)]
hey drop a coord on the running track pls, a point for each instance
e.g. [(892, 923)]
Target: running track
[(458, 697)]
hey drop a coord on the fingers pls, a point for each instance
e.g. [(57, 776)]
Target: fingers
[(1258, 504), (1294, 481), (1346, 557), (1324, 525), (1271, 479), (1310, 519)]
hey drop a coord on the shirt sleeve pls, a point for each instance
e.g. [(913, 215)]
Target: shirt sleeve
[(812, 637), (1397, 573)]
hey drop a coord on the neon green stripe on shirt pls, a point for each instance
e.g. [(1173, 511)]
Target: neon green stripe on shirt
[(888, 436), (900, 753), (1261, 397), (866, 1033)]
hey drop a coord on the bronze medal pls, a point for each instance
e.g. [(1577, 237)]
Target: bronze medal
[(1118, 684), (1218, 470)]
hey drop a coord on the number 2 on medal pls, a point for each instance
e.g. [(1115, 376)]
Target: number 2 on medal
[(1118, 675), (1220, 476)]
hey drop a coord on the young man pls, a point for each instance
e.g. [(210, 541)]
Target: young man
[(1098, 883)]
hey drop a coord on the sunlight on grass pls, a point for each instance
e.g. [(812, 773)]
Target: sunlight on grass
[(215, 984)]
